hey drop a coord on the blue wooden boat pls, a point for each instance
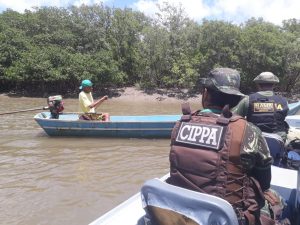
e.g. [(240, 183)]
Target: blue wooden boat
[(68, 124), (150, 126)]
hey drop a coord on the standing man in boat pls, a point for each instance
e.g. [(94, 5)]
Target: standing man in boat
[(87, 104), (264, 108), (215, 152)]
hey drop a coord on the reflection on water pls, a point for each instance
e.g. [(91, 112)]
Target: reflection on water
[(53, 181)]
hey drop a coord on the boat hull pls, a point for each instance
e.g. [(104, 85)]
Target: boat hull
[(151, 126), (285, 181), (154, 126)]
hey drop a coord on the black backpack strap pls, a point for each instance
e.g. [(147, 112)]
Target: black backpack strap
[(225, 116), (226, 112), (186, 111)]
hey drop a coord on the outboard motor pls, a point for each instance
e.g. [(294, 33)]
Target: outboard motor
[(55, 105)]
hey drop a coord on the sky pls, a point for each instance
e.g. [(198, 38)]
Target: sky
[(235, 11)]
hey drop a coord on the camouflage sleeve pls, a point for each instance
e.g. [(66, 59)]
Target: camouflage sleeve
[(242, 107), (255, 153)]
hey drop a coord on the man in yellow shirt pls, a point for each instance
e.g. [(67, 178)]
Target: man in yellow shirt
[(87, 104)]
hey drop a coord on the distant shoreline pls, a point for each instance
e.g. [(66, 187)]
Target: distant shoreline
[(134, 94), (131, 94)]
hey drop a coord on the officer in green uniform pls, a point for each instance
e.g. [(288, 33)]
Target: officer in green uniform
[(218, 153), (264, 108), (222, 88)]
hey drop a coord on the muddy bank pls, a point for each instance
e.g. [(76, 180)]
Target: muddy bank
[(134, 94), (128, 94)]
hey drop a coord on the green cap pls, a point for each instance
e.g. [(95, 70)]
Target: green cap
[(266, 78), (86, 83), (225, 80)]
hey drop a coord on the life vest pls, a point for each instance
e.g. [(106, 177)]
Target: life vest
[(205, 157), (268, 113)]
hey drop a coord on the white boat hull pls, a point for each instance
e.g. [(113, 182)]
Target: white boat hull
[(131, 212)]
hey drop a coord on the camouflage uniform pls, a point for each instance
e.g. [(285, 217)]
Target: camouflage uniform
[(255, 153), (243, 107), (225, 80)]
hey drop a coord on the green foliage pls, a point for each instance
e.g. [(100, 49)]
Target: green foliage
[(219, 45), (169, 50), (55, 48), (261, 49), (13, 43)]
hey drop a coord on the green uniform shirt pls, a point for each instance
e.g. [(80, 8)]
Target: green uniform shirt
[(254, 150)]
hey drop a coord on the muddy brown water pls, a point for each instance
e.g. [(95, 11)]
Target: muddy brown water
[(55, 180)]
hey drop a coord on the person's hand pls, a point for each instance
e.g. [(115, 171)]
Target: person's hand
[(105, 97), (271, 197)]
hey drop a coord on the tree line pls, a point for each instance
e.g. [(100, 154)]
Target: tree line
[(50, 49)]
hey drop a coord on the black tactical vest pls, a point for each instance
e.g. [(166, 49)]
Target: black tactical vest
[(267, 112)]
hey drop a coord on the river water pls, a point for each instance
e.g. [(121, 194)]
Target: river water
[(54, 181)]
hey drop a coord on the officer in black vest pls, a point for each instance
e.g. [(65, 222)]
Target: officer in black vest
[(264, 108)]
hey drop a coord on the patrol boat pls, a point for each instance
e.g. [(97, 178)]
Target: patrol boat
[(184, 205), (170, 204), (189, 207)]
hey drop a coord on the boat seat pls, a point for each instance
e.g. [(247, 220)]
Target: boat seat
[(287, 183), (166, 204), (276, 146)]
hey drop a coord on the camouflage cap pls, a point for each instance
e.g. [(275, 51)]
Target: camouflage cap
[(266, 78), (225, 80)]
